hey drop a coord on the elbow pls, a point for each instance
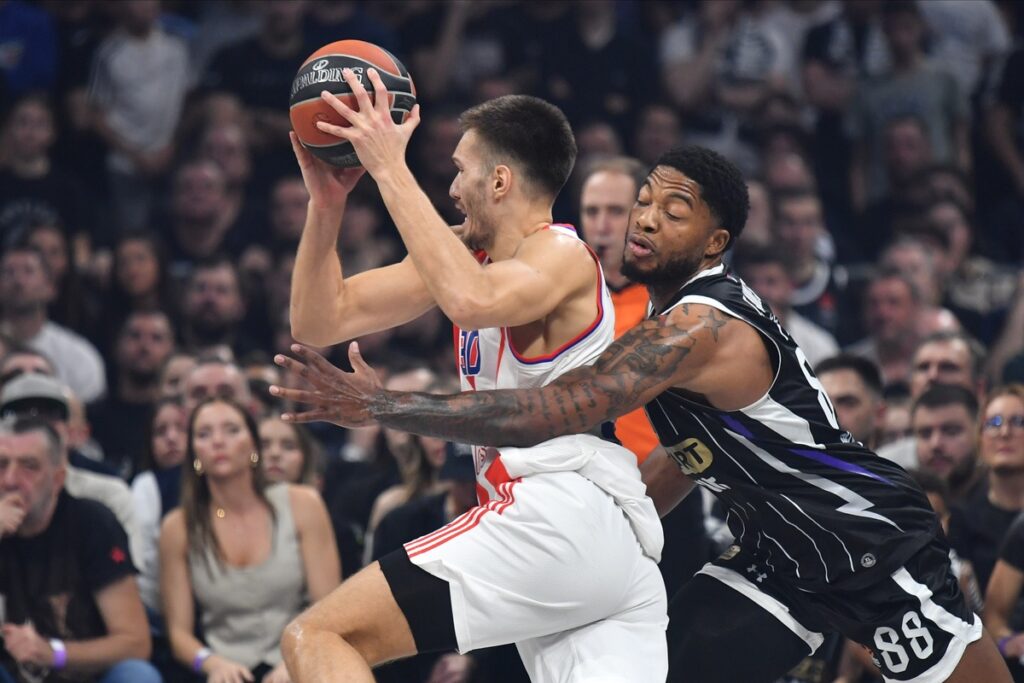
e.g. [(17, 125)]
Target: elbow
[(309, 335), (292, 637), (140, 646)]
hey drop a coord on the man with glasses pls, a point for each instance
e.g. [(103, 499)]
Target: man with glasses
[(42, 397)]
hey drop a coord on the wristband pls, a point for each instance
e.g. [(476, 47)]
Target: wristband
[(60, 654), (1001, 644), (201, 656)]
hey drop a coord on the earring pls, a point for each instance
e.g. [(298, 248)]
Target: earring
[(255, 458), (197, 466)]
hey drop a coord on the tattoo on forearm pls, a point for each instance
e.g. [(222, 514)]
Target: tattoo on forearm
[(641, 360)]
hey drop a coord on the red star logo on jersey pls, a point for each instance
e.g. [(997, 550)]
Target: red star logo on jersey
[(117, 555)]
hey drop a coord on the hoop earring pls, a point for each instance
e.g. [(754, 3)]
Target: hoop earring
[(197, 466), (255, 458)]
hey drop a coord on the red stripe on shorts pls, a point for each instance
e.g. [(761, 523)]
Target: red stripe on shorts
[(464, 523)]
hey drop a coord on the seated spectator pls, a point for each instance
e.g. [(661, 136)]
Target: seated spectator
[(119, 420), (72, 606), (137, 89), (764, 269), (73, 305), (944, 420), (214, 309), (32, 187), (44, 397), (854, 386), (213, 377), (1004, 424), (290, 454), (138, 282), (175, 371), (231, 533), (892, 306), (948, 358), (798, 227), (156, 491), (26, 288), (980, 523)]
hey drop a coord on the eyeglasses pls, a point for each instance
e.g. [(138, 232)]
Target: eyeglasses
[(994, 423)]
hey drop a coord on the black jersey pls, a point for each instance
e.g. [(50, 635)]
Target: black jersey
[(801, 494)]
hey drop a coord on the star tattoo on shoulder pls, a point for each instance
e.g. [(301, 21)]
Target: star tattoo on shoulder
[(713, 322)]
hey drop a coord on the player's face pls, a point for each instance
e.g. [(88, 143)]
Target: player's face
[(856, 408), (944, 437), (221, 440), (605, 204), (469, 190), (28, 474), (941, 362), (169, 436), (671, 230), (1002, 439), (282, 453)]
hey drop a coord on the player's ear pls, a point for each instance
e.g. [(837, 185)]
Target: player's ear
[(501, 180), (718, 243)]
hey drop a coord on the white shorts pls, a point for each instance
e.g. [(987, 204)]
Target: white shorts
[(553, 565)]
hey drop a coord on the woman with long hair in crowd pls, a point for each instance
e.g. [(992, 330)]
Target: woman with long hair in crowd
[(156, 491), (1001, 446), (290, 454), (247, 553)]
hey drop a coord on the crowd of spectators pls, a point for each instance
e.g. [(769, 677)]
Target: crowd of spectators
[(150, 209)]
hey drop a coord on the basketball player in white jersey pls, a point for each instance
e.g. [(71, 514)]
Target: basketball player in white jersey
[(560, 557)]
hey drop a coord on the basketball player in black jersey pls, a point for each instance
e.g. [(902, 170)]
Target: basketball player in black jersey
[(828, 536)]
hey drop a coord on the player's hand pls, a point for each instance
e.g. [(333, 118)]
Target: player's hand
[(338, 396), (379, 142), (26, 645), (328, 186), (12, 514), (223, 670)]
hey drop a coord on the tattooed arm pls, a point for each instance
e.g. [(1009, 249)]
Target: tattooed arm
[(677, 350)]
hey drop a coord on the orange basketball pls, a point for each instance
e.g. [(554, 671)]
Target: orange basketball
[(322, 71)]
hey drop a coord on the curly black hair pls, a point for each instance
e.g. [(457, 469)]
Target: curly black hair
[(722, 186)]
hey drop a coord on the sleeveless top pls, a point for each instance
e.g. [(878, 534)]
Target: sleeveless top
[(801, 494), (488, 359), (244, 610)]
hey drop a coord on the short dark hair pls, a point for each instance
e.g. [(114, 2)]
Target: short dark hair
[(722, 186), (529, 131), (978, 354), (864, 368), (942, 395), (891, 273)]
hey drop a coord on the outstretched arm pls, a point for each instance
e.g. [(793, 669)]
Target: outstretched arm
[(674, 350)]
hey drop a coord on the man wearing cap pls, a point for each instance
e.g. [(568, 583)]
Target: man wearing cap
[(72, 608), (45, 398)]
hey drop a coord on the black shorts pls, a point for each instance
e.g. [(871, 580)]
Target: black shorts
[(915, 622)]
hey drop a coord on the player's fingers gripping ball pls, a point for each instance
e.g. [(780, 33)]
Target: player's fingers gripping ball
[(322, 71)]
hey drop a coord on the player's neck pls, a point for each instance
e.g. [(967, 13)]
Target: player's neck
[(517, 222), (662, 293)]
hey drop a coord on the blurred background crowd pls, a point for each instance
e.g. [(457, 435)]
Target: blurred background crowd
[(150, 208)]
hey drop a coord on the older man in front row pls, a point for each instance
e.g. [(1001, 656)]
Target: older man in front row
[(72, 607)]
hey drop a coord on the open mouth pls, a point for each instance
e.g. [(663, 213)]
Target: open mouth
[(639, 246)]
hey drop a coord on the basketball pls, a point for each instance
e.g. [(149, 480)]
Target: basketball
[(322, 71)]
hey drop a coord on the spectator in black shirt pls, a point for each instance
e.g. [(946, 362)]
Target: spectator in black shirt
[(978, 527), (73, 608)]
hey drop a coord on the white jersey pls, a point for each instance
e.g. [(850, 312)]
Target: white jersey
[(489, 360)]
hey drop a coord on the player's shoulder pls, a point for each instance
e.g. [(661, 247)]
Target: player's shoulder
[(555, 243)]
